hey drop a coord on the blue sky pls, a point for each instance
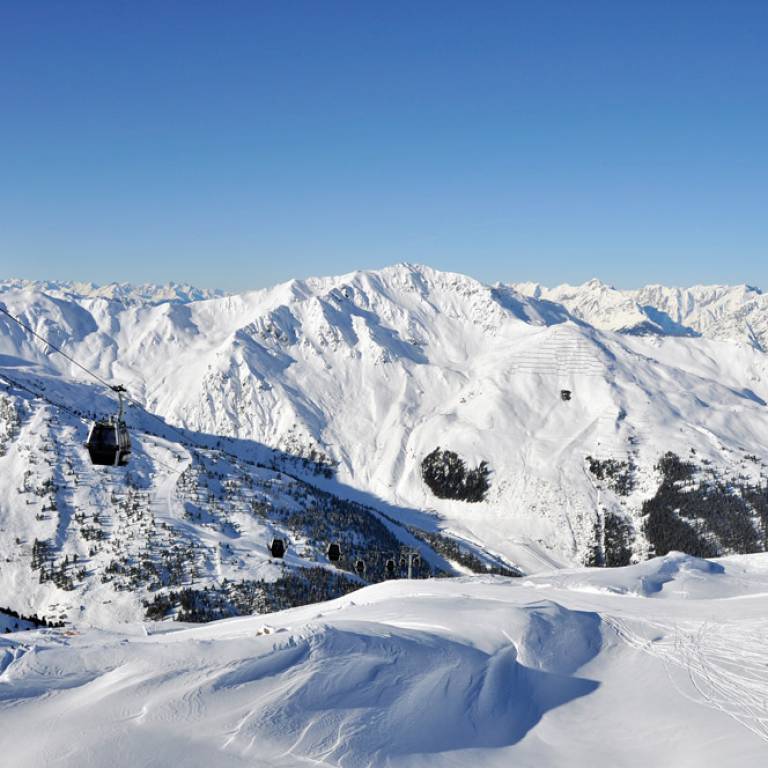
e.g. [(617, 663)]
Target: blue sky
[(237, 144)]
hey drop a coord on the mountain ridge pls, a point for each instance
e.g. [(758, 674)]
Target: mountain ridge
[(365, 375)]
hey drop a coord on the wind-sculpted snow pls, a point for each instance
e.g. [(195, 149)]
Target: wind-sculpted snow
[(674, 576), (342, 687), (486, 671)]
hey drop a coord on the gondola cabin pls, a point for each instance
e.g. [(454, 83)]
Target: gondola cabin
[(108, 443), (390, 569), (277, 548), (565, 395), (360, 567), (334, 553)]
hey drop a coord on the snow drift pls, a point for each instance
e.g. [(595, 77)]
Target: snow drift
[(434, 673)]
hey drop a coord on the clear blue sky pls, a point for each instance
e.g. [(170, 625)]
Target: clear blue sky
[(237, 144)]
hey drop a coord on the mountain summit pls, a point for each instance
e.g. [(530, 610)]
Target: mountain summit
[(533, 427)]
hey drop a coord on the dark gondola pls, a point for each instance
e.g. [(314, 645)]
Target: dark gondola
[(277, 548), (360, 567), (334, 552), (109, 443), (390, 568), (565, 395)]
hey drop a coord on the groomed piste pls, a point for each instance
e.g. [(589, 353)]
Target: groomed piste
[(662, 663)]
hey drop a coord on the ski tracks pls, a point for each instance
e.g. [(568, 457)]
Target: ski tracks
[(725, 663)]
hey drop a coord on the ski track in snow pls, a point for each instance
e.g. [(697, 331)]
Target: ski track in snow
[(435, 674), (725, 662)]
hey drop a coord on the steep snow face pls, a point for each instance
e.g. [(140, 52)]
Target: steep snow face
[(598, 304), (564, 669), (725, 313), (737, 313), (374, 370)]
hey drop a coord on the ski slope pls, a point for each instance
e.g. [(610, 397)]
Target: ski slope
[(656, 664)]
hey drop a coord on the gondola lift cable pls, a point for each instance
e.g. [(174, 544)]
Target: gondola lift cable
[(118, 389), (117, 428)]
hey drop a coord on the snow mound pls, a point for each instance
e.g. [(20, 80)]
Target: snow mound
[(432, 673), (356, 688), (675, 575)]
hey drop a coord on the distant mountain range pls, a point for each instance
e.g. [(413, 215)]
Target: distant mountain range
[(597, 426), (125, 293), (733, 313)]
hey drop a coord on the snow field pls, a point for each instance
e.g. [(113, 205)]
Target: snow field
[(434, 673)]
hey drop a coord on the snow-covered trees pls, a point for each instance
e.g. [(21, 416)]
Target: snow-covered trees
[(619, 475), (701, 517)]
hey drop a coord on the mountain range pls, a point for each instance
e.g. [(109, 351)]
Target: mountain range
[(508, 427)]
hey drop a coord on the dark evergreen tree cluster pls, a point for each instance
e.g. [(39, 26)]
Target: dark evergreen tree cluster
[(357, 530), (618, 538), (703, 518), (64, 573), (451, 550), (619, 535), (757, 498), (239, 598), (618, 475), (33, 619), (448, 477), (674, 469), (666, 531)]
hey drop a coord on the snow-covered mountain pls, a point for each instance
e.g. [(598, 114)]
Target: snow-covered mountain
[(726, 313), (533, 428), (657, 664)]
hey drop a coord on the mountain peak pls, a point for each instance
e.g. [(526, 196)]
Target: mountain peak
[(595, 284)]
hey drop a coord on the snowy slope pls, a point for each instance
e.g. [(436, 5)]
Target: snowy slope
[(586, 668), (722, 312), (182, 532), (718, 312), (369, 373)]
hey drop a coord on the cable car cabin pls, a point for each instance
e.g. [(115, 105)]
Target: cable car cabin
[(390, 569), (334, 553), (360, 567), (565, 394), (109, 443), (277, 548)]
